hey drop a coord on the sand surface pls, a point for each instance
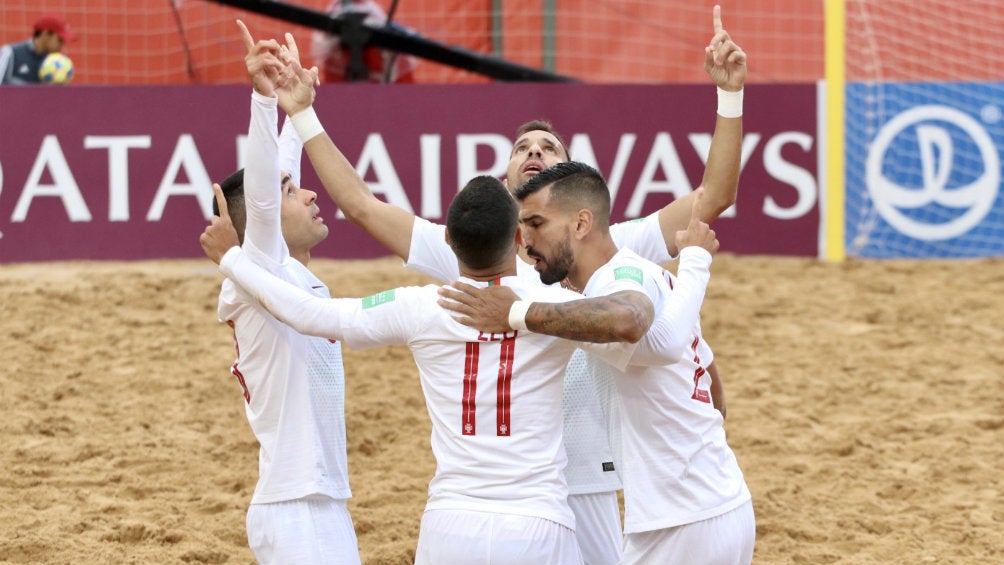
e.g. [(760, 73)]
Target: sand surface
[(866, 407)]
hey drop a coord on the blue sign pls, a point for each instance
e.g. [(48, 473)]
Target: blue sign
[(923, 173)]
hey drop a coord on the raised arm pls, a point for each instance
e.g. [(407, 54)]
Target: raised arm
[(388, 224), (262, 194), (725, 63), (290, 151)]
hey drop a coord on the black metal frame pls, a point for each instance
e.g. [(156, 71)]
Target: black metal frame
[(357, 35)]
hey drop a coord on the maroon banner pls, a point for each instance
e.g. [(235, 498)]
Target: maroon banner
[(112, 172)]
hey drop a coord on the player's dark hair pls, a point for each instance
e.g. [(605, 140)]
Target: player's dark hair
[(542, 125), (574, 185), (233, 191), (482, 222)]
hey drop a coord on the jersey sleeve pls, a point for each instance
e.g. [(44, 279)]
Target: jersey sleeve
[(644, 237), (430, 254), (619, 354), (392, 317), (290, 151), (626, 276), (262, 196), (352, 320), (677, 322)]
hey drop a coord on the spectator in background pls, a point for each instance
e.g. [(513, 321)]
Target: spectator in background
[(333, 56), (19, 62)]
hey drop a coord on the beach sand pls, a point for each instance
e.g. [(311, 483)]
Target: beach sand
[(865, 406)]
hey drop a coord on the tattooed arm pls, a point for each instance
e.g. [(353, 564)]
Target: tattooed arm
[(618, 317), (621, 316)]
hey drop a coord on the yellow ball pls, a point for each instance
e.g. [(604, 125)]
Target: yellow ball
[(56, 69)]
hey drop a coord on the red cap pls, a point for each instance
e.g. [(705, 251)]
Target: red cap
[(56, 24)]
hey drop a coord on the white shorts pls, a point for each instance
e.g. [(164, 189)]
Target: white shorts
[(723, 540), (307, 531), (598, 527), (464, 537)]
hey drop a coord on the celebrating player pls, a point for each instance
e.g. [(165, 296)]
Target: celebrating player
[(685, 498), (592, 475), (293, 384), (498, 495)]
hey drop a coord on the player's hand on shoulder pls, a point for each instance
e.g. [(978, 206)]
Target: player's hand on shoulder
[(485, 309)]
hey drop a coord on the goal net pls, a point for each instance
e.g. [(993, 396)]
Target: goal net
[(628, 41), (923, 129)]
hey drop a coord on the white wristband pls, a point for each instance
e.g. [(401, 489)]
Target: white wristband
[(730, 104), (306, 123), (517, 314)]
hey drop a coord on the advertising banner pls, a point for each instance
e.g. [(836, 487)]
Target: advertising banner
[(111, 172), (924, 170)]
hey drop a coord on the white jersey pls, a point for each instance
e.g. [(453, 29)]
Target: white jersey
[(675, 463), (293, 385), (494, 399), (591, 465)]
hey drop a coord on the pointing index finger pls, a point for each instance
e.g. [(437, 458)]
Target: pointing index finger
[(716, 18), (294, 51), (697, 209), (221, 201), (246, 36)]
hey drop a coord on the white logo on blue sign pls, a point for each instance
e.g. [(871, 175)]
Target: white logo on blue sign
[(937, 158)]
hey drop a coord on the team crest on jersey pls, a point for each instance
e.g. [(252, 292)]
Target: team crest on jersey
[(630, 273), (378, 299)]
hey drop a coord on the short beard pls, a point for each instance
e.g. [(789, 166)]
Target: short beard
[(559, 265)]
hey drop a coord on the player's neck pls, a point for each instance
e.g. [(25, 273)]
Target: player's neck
[(590, 256), (505, 268), (302, 256)]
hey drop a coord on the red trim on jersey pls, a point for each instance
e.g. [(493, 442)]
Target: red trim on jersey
[(469, 404), (240, 378), (233, 368), (699, 394), (503, 389)]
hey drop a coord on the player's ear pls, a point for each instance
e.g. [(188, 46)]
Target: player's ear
[(583, 223), (519, 236)]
